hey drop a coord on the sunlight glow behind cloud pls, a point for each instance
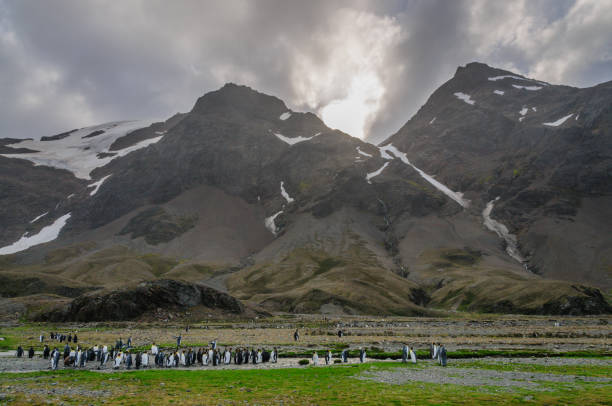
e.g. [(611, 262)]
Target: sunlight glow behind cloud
[(352, 113), (365, 66), (347, 85)]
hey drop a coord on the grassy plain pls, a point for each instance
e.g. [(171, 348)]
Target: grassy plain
[(525, 348), (336, 385)]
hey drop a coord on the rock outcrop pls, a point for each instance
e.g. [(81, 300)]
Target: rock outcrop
[(132, 302)]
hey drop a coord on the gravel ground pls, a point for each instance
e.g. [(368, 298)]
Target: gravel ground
[(508, 380), (53, 390), (561, 361), (14, 364)]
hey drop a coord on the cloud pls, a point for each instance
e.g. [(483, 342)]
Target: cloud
[(364, 66), (347, 85), (555, 41), (33, 90)]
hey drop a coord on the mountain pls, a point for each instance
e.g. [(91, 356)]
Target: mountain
[(539, 154), (271, 206)]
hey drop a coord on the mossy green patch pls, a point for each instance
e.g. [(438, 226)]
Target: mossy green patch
[(304, 187), (156, 225), (159, 264), (327, 264), (464, 257)]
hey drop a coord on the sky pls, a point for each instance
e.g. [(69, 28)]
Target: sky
[(365, 67)]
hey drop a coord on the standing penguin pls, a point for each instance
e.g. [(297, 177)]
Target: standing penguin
[(328, 357), (345, 355), (362, 355), (442, 356), (413, 358)]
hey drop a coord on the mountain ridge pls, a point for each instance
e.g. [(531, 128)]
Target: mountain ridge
[(275, 208)]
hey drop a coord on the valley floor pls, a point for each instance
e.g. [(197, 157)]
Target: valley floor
[(500, 359), (469, 381)]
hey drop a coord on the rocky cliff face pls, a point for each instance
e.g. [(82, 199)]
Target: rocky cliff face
[(247, 196)]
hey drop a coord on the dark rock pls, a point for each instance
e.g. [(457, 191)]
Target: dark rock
[(588, 301), (102, 155), (58, 136), (94, 133), (132, 302), (4, 149), (419, 296)]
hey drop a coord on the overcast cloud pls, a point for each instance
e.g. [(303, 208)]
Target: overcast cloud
[(363, 66)]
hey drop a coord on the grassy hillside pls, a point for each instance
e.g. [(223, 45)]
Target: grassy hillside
[(315, 281)]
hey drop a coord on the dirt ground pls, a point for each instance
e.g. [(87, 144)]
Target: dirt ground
[(316, 332)]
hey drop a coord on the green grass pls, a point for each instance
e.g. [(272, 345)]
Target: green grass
[(604, 371), (458, 354), (525, 353), (311, 385), (9, 343)]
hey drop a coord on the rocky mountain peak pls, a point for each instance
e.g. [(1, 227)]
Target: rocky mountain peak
[(479, 68), (498, 183), (242, 100)]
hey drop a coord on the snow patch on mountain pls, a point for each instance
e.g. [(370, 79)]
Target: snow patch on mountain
[(523, 111), (39, 217), (499, 92), (96, 185), (46, 234), (80, 155), (496, 78), (521, 119), (363, 153), (559, 121), (295, 140), (376, 172), (502, 231), (465, 97), (534, 109), (433, 120), (527, 87), (456, 196), (285, 115), (270, 224), (383, 152), (288, 198)]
